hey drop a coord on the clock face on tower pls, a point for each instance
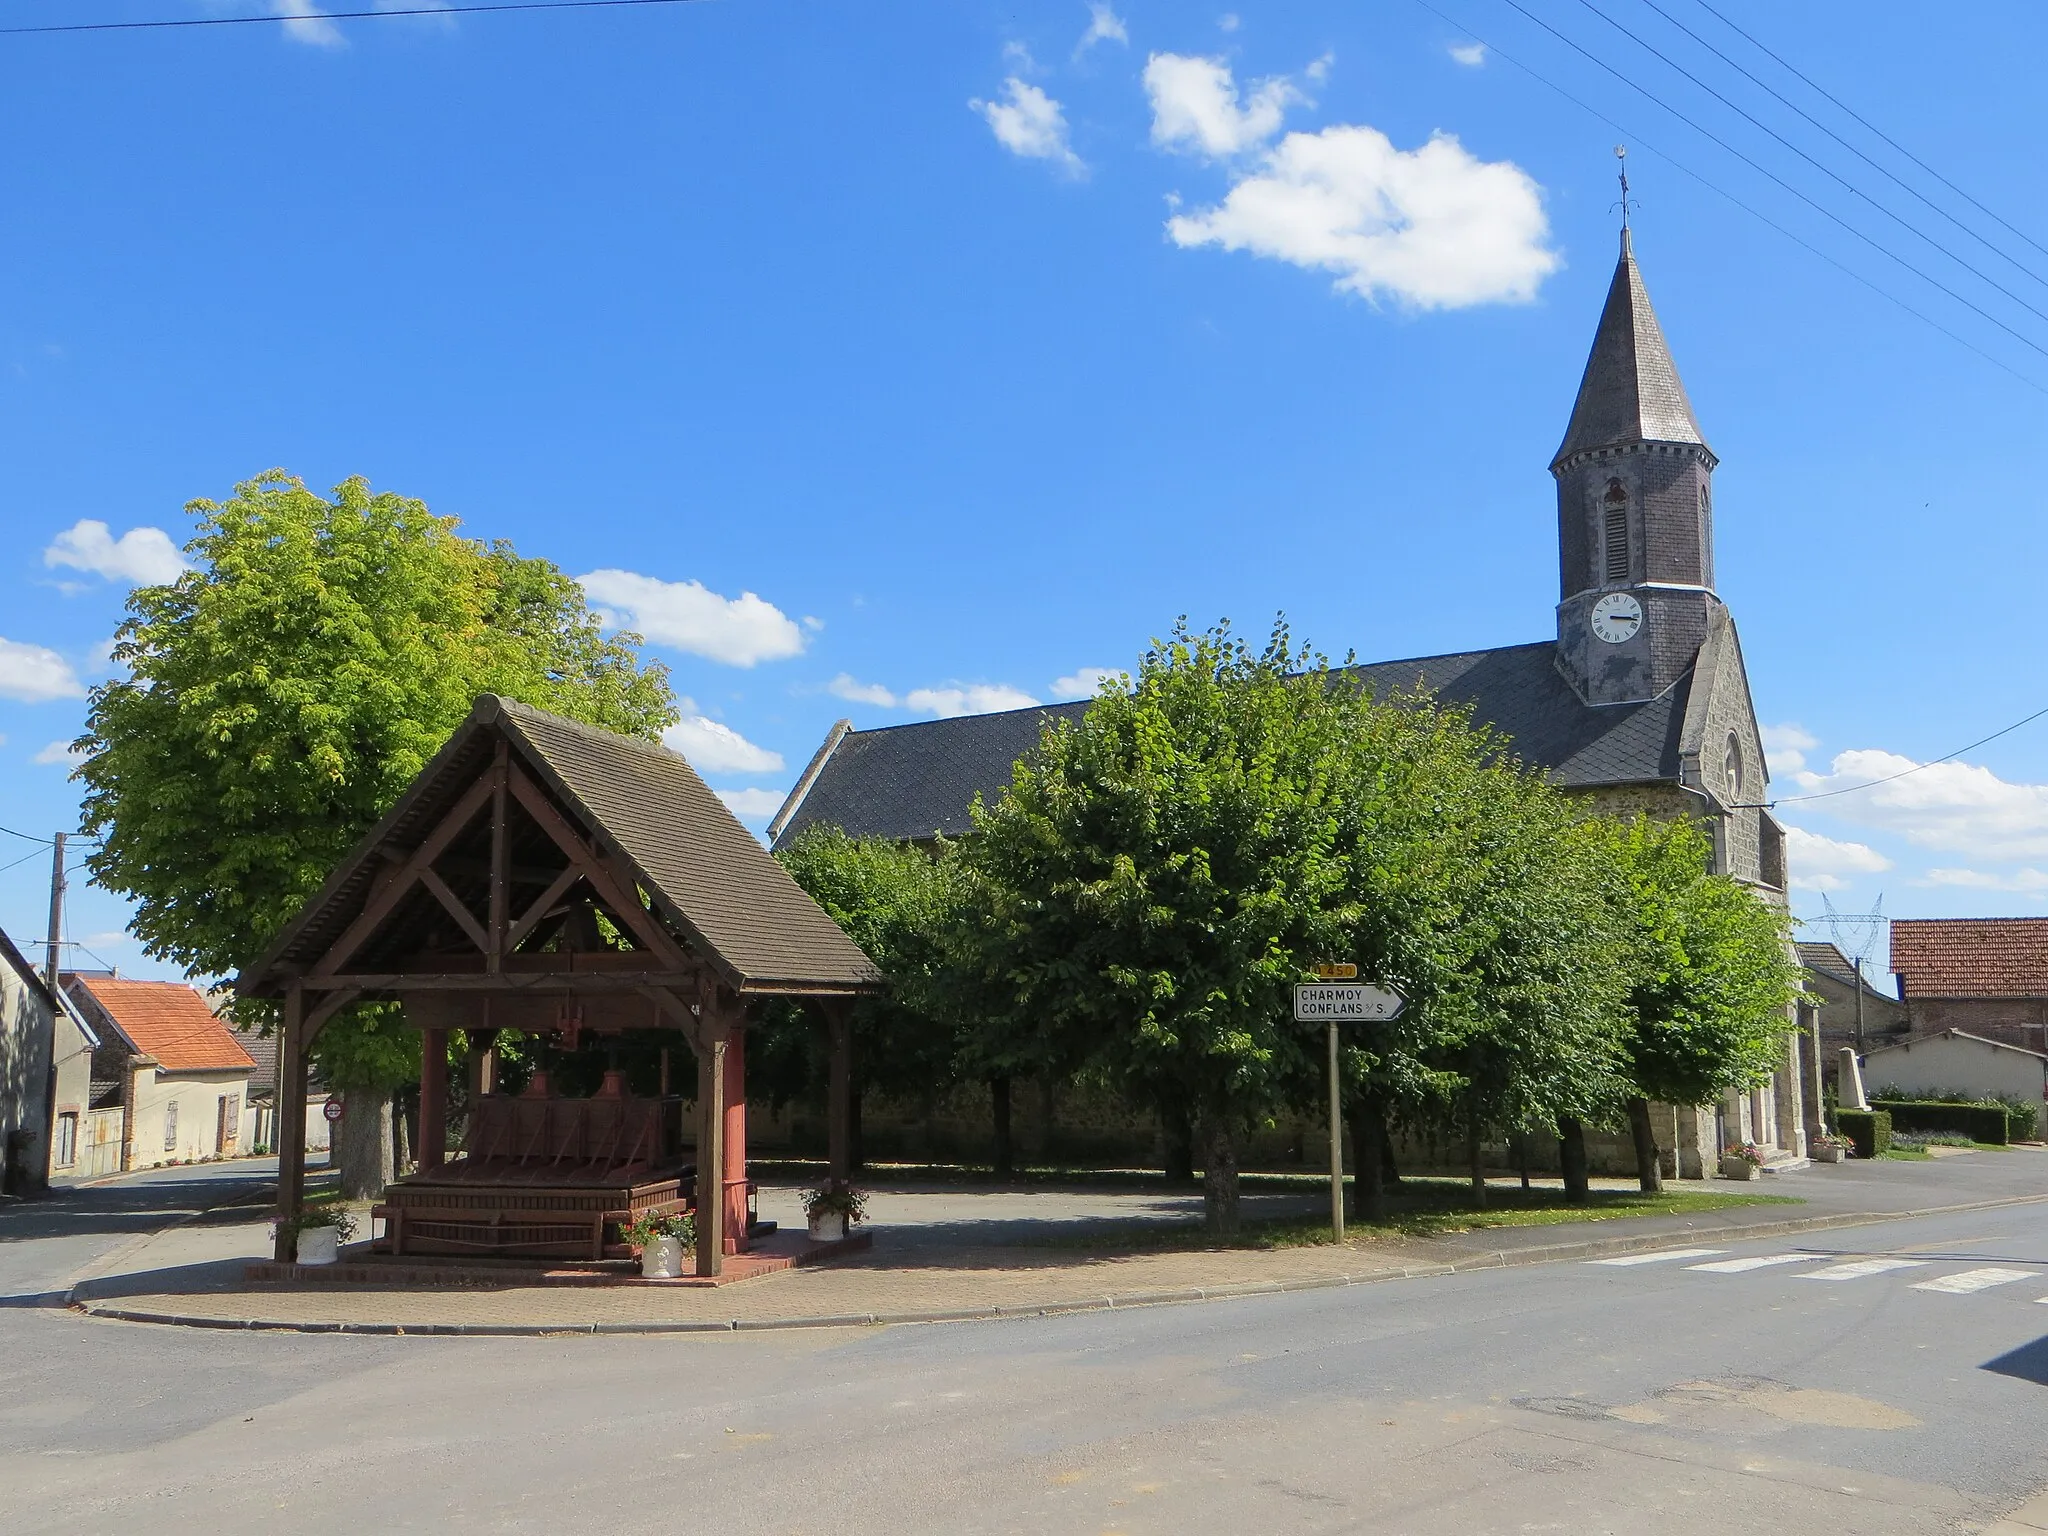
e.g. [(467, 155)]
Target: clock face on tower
[(1616, 617)]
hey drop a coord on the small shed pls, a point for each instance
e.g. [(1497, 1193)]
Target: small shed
[(1956, 1062), (545, 876)]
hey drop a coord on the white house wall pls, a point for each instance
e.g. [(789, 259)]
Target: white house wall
[(1941, 1063)]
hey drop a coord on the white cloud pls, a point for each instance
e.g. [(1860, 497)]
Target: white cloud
[(1195, 106), (308, 24), (1228, 21), (1787, 745), (967, 699), (1104, 26), (1083, 682), (59, 752), (738, 631), (1471, 55), (1955, 807), (1030, 123), (1434, 227), (1821, 863), (846, 686), (2026, 882), (143, 557), (35, 674), (753, 804), (713, 747)]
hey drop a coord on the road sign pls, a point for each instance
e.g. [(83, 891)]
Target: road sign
[(1337, 1001), (1337, 970), (332, 1109)]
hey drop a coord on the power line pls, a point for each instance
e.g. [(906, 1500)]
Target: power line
[(1722, 192), (416, 10), (1813, 84), (1891, 778), (33, 853), (1825, 170), (1876, 165), (25, 837), (1771, 175)]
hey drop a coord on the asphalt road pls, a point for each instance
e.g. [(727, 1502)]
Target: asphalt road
[(1638, 1397)]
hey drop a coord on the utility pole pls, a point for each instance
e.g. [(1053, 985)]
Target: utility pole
[(54, 955)]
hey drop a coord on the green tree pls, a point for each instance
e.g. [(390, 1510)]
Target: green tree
[(1712, 977), (896, 901), (283, 692)]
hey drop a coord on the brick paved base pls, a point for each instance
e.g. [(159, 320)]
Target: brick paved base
[(780, 1251)]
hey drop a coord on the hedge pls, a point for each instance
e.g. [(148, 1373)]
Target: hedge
[(1987, 1123), (1868, 1130)]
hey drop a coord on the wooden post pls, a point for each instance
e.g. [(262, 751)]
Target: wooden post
[(501, 865), (710, 1151), (839, 1110), (291, 1124), (433, 1147), (734, 1145)]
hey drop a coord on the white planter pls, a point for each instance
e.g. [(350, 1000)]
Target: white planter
[(662, 1259), (319, 1245), (1739, 1168), (828, 1229), (1821, 1154)]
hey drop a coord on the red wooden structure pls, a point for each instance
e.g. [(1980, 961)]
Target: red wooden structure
[(547, 877)]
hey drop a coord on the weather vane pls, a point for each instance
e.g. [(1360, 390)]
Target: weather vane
[(1621, 155)]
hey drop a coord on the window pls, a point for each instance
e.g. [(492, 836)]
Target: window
[(171, 1126), (65, 1154), (1616, 508), (1733, 769)]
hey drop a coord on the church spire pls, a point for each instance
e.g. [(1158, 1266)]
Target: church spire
[(1630, 392)]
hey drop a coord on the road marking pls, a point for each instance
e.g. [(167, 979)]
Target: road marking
[(1862, 1267), (1974, 1280), (1665, 1257), (1742, 1266)]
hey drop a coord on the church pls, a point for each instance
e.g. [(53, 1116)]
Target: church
[(1640, 702)]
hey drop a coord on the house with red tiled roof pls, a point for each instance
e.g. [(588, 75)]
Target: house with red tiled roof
[(1987, 976), (178, 1073)]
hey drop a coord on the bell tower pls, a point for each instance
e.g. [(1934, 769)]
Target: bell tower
[(1635, 515)]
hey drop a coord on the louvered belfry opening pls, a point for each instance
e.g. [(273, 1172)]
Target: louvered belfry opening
[(1617, 531)]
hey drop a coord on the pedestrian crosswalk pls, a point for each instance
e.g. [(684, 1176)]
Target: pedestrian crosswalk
[(1828, 1268)]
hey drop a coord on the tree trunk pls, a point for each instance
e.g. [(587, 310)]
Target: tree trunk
[(362, 1145), (402, 1135), (1649, 1162), (999, 1104), (1522, 1157), (1571, 1157), (1219, 1176), (1475, 1155), (1179, 1137), (1368, 1170)]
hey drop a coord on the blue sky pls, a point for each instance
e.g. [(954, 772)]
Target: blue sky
[(885, 360)]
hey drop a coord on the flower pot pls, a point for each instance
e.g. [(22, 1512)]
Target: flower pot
[(1824, 1154), (662, 1259), (1739, 1168), (319, 1245), (829, 1227)]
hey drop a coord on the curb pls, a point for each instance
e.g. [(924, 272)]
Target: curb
[(1549, 1253)]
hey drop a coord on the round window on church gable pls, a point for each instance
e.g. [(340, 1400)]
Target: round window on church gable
[(1733, 767)]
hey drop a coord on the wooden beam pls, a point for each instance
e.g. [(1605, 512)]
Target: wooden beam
[(623, 900), (504, 982), (540, 909), (321, 1012), (679, 1013), (711, 1155), (459, 912), (383, 902), (501, 857), (291, 1126), (839, 1101), (433, 1147)]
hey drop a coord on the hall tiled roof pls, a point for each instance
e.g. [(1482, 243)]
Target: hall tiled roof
[(1971, 956), (916, 781), (167, 1020)]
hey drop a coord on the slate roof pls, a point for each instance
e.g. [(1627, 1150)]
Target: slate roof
[(167, 1020), (1971, 956), (914, 781), (1630, 392), (709, 877)]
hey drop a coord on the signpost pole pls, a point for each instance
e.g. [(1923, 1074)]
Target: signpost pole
[(1336, 1142)]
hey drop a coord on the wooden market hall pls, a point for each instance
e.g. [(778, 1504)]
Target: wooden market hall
[(564, 882)]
